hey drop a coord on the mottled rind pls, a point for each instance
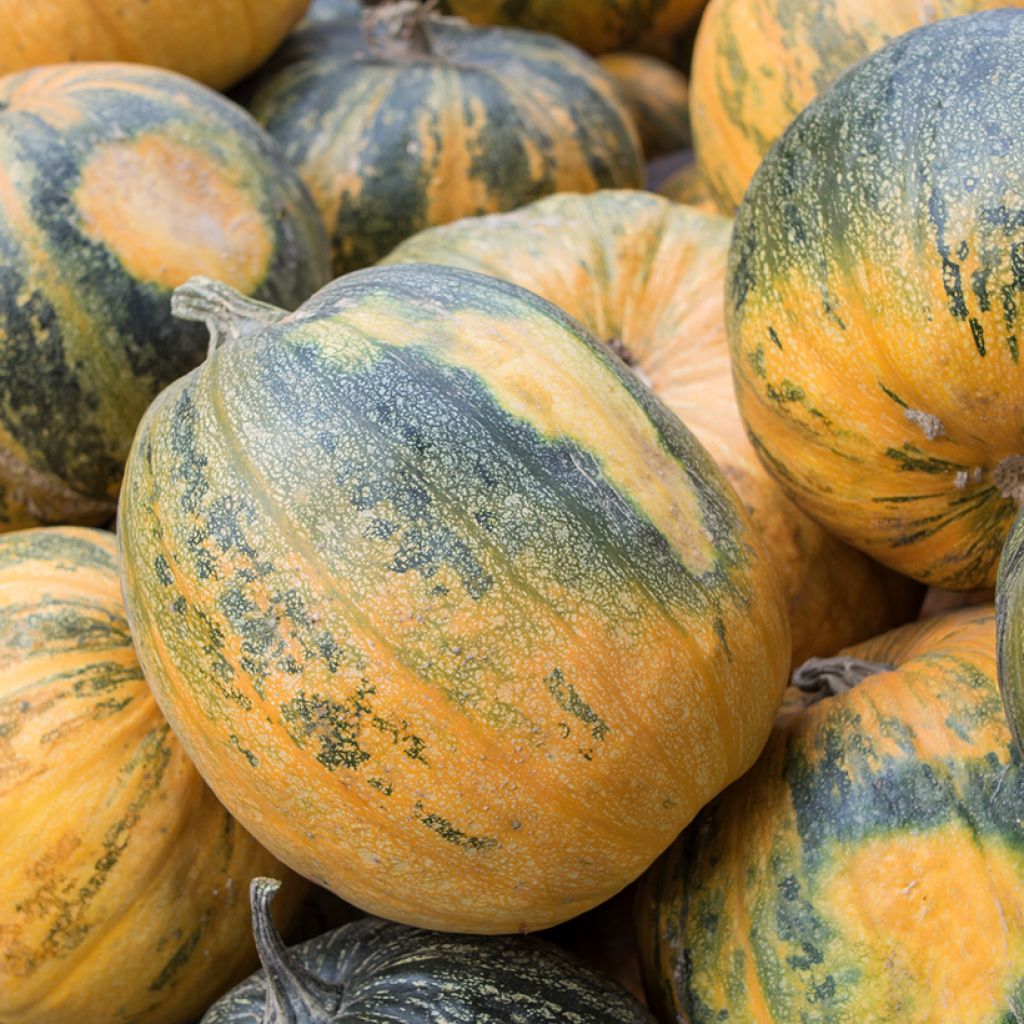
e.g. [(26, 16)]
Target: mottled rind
[(875, 276), (448, 609)]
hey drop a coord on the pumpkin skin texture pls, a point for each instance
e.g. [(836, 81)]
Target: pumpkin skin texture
[(392, 137), (872, 302), (161, 32), (648, 276), (831, 882), (388, 564), (122, 182), (379, 972), (122, 898), (759, 63)]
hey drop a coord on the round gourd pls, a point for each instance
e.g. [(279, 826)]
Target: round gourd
[(647, 276), (378, 972), (404, 121), (120, 183), (167, 33), (122, 895), (758, 63), (869, 867), (873, 298), (451, 612)]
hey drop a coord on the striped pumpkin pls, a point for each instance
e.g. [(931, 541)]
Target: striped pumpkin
[(758, 63), (162, 32), (447, 608), (119, 183), (419, 121), (870, 867), (123, 889), (873, 302), (647, 277)]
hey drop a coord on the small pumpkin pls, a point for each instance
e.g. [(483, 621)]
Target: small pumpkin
[(447, 608), (869, 867), (647, 276), (122, 897), (122, 182), (405, 120), (874, 298), (377, 972)]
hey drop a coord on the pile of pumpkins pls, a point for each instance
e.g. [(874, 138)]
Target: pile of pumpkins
[(396, 500)]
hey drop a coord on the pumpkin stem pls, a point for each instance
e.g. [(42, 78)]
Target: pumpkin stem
[(294, 994), (819, 678), (401, 27), (1009, 478), (228, 314)]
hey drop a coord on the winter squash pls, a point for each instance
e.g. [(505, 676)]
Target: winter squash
[(657, 98), (647, 277), (377, 972), (162, 32), (123, 891), (872, 302), (389, 562), (869, 867), (595, 25), (412, 120), (121, 182), (758, 63), (688, 187)]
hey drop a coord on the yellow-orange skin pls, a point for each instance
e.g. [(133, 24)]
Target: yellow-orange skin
[(124, 890), (216, 42), (648, 275), (758, 63)]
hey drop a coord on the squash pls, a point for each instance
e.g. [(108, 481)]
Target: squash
[(657, 98), (873, 297), (414, 121), (758, 63), (378, 972), (686, 186), (595, 25), (647, 277), (162, 32), (120, 183), (451, 612), (869, 867), (1010, 620), (122, 897)]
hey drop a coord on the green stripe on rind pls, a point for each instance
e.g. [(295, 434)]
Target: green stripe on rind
[(1010, 630)]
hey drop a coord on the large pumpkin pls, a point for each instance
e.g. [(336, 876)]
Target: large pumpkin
[(647, 277), (120, 183), (167, 33), (758, 63), (448, 609), (402, 121), (123, 889), (870, 867), (874, 298)]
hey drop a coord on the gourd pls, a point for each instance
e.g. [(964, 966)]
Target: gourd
[(453, 615)]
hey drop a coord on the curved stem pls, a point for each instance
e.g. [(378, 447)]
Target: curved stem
[(404, 25), (294, 994), (228, 314), (827, 677)]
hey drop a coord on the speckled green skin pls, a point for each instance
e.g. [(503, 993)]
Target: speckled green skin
[(1010, 625)]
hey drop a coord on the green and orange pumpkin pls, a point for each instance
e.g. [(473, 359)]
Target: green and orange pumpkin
[(123, 889), (447, 608), (870, 867), (647, 277), (119, 183), (874, 302)]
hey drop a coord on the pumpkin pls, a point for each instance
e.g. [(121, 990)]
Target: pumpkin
[(872, 303), (452, 614), (656, 96), (758, 63), (595, 25), (1010, 619), (647, 277), (377, 972), (122, 898), (162, 32), (686, 186), (869, 867), (121, 182), (409, 121)]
